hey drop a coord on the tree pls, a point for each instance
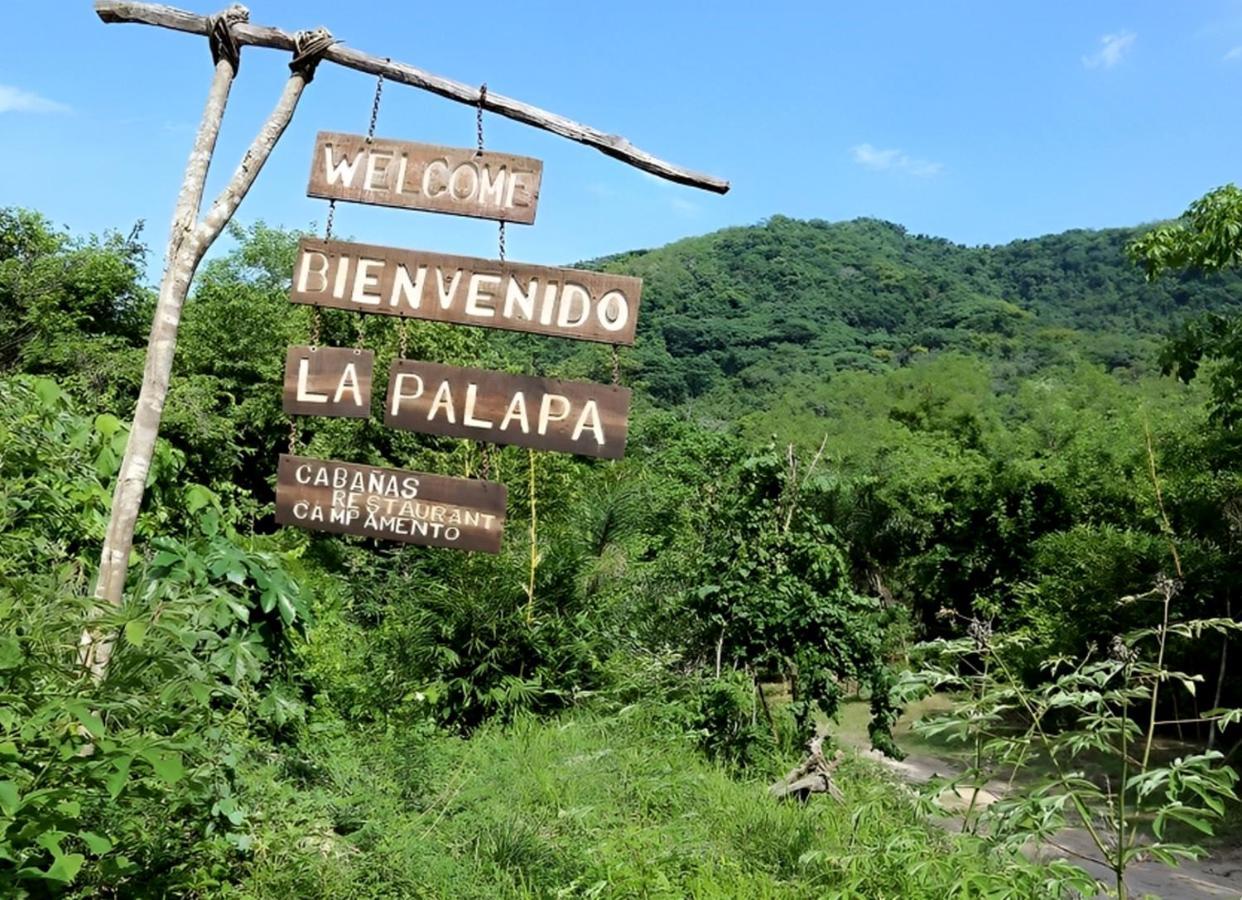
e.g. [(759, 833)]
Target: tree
[(1207, 238), (775, 587)]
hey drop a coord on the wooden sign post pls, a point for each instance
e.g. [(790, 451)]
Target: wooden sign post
[(328, 381), (569, 303), (190, 237), (465, 182), (542, 413), (390, 504)]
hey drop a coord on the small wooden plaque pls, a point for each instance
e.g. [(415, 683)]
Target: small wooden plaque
[(456, 180), (569, 303), (328, 381), (390, 504), (569, 416)]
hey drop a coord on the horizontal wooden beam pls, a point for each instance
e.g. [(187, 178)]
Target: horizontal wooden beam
[(265, 36)]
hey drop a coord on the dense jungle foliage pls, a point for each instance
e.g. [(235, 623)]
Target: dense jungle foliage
[(847, 440)]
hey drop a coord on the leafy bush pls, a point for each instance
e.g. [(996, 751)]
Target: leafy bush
[(124, 783)]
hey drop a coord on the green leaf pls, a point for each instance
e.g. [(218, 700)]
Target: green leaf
[(10, 802), (166, 763), (90, 720), (136, 631), (48, 392), (70, 808), (10, 652), (196, 497), (66, 867), (166, 559), (287, 611), (239, 609), (116, 781), (107, 425), (98, 844)]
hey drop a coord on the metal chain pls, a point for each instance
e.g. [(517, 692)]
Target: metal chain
[(616, 367), (402, 341), (478, 119), (295, 433), (375, 105), (361, 337), (316, 326), (485, 448), (327, 228)]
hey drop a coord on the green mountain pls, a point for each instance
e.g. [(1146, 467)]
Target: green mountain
[(744, 312)]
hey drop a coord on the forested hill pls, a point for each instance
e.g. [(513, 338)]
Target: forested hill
[(744, 311)]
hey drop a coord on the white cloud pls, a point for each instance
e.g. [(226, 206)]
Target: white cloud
[(1234, 55), (16, 100), (1113, 47), (893, 160)]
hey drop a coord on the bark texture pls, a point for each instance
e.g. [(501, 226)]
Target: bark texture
[(188, 242)]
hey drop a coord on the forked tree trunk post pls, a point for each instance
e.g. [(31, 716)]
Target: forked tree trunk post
[(187, 243), (191, 237)]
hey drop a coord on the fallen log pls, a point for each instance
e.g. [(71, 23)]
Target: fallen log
[(812, 776)]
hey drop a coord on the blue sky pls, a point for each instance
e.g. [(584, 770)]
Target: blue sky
[(979, 122)]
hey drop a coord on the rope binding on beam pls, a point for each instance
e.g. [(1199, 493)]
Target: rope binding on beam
[(221, 38), (308, 48)]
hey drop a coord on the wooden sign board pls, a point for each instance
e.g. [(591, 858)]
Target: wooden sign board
[(456, 180), (569, 416), (390, 504), (569, 303), (328, 381)]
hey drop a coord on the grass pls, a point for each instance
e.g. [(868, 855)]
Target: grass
[(588, 806)]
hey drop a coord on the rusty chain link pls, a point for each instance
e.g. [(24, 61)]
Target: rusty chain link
[(295, 434), (316, 326), (478, 119), (485, 448), (375, 105), (361, 337)]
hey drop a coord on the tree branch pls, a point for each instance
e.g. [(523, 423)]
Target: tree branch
[(186, 249), (112, 11), (248, 169)]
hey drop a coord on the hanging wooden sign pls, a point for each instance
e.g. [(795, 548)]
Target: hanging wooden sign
[(569, 416), (457, 180), (570, 303), (328, 381), (390, 504)]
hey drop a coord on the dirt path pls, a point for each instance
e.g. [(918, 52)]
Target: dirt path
[(1219, 875)]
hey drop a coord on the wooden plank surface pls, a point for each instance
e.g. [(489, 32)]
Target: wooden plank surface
[(569, 303), (328, 381), (390, 504), (409, 175), (568, 416)]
